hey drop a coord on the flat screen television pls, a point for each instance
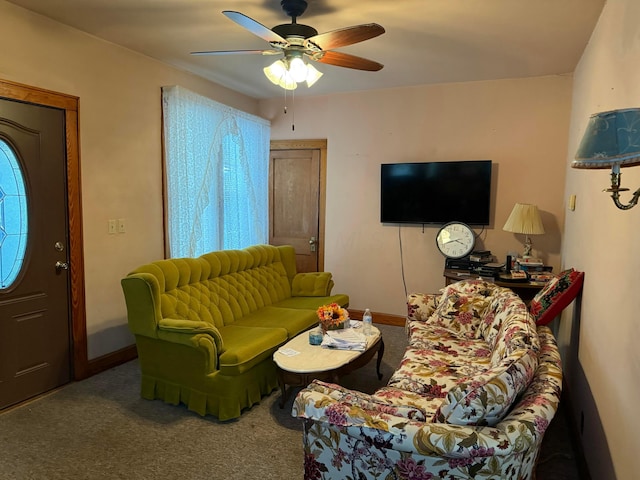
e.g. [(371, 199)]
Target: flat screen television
[(436, 192)]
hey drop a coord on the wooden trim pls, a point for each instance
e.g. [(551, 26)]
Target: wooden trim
[(165, 196), (70, 104), (76, 254), (38, 96), (382, 318), (322, 203), (113, 359), (312, 145), (298, 144)]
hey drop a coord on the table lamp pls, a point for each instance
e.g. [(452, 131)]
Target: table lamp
[(525, 219)]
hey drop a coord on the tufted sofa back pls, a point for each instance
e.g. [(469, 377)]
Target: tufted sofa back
[(223, 286)]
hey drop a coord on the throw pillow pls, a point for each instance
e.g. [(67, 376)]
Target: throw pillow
[(555, 296), (462, 306), (311, 284), (420, 306)]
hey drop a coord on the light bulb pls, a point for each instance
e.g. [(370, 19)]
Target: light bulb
[(287, 82), (298, 69)]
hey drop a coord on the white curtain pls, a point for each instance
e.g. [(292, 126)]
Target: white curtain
[(216, 175)]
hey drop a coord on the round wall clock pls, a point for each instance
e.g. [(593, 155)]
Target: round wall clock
[(455, 240)]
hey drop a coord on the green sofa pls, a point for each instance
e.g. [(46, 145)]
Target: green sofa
[(206, 328)]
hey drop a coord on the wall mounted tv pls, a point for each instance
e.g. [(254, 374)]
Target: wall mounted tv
[(436, 192)]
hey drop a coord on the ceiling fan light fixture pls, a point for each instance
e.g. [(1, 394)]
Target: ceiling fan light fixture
[(288, 73), (278, 74), (313, 75), (275, 71)]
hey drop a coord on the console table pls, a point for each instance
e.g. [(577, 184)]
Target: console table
[(525, 290)]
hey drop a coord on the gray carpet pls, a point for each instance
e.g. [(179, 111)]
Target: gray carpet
[(100, 428)]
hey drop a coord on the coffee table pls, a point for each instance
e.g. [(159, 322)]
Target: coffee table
[(326, 364)]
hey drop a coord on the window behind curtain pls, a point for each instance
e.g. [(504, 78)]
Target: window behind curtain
[(216, 169)]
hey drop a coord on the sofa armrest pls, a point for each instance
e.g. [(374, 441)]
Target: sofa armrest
[(311, 284), (349, 413), (192, 327), (367, 403), (197, 335), (142, 297), (420, 306)]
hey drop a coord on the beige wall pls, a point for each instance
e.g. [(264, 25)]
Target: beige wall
[(603, 241), (521, 125), (120, 148)]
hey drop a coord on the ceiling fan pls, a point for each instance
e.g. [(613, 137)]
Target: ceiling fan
[(299, 42)]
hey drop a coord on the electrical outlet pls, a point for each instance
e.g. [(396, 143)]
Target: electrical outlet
[(121, 226), (112, 226)]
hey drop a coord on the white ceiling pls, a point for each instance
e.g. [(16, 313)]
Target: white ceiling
[(426, 41)]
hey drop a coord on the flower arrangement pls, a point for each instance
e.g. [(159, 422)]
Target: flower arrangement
[(332, 316)]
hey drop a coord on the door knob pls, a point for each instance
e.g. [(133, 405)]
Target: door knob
[(312, 244), (62, 265)]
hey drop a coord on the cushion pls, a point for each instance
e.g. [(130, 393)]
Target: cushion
[(311, 284), (485, 399), (555, 296), (248, 346), (293, 320), (420, 306), (462, 306)]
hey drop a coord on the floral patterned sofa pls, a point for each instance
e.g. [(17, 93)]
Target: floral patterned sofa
[(471, 399)]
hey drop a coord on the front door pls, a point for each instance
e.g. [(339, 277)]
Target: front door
[(295, 192), (35, 345)]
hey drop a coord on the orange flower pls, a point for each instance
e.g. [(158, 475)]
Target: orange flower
[(332, 314)]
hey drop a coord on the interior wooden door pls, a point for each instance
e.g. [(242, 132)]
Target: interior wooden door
[(296, 200)]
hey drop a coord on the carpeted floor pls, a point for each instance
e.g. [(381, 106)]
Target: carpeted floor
[(100, 428)]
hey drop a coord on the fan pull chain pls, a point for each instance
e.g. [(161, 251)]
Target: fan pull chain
[(285, 101), (293, 110)]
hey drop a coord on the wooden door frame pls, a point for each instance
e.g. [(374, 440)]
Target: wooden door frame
[(312, 145), (70, 104)]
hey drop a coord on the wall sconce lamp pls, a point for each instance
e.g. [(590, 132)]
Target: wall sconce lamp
[(525, 219), (612, 140)]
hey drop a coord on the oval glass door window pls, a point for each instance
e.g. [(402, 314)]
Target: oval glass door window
[(13, 216)]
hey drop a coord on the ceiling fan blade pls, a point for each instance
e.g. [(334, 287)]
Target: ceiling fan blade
[(254, 27), (238, 52), (349, 61), (346, 36)]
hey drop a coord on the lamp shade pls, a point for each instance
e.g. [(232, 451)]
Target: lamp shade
[(525, 219), (313, 75), (611, 139)]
